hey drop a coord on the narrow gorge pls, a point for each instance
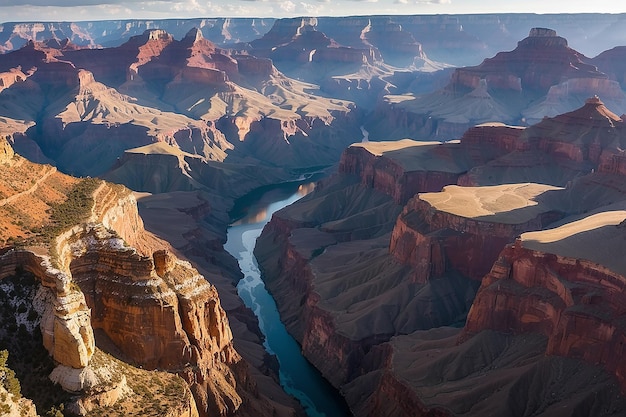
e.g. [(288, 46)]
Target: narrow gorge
[(297, 376)]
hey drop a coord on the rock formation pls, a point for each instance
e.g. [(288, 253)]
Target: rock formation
[(464, 229), (95, 34), (383, 314), (375, 272), (187, 93), (541, 77), (88, 248), (456, 39)]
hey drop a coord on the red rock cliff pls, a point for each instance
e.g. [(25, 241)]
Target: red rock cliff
[(433, 239), (576, 303)]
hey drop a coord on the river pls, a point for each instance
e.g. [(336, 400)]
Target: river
[(297, 376)]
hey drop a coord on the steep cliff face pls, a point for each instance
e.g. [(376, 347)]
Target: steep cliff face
[(185, 329), (338, 288), (555, 150), (583, 134), (65, 324), (563, 283), (326, 261), (99, 272), (466, 231), (383, 168)]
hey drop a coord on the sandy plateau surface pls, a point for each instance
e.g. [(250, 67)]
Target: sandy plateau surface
[(414, 155), (508, 203), (599, 238)]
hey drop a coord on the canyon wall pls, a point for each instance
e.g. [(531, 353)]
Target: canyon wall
[(573, 302), (103, 279)]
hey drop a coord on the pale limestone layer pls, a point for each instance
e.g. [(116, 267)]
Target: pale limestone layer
[(508, 203), (72, 379), (65, 324)]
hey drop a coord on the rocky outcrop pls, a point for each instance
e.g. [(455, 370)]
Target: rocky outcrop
[(438, 232), (541, 60), (542, 77), (549, 283), (99, 272), (383, 167), (185, 329), (303, 51), (187, 93), (65, 324), (602, 132), (397, 45), (555, 150), (498, 136), (14, 75), (253, 66), (563, 96)]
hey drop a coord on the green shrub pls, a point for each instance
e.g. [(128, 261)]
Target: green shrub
[(11, 383), (76, 208)]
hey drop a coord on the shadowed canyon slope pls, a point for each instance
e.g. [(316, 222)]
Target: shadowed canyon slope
[(420, 301)]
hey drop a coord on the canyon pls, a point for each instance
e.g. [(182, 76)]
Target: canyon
[(460, 257), (433, 304), (100, 279)]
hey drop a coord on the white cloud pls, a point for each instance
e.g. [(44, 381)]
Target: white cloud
[(311, 9), (288, 6)]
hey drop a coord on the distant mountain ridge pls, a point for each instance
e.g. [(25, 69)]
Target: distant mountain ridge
[(456, 39)]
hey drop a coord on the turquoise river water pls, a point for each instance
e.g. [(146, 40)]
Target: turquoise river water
[(297, 376)]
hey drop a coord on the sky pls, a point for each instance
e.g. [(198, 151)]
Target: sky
[(75, 10)]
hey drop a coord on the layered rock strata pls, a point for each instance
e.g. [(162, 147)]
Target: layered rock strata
[(389, 360), (187, 93), (464, 229), (332, 247), (103, 273), (383, 167), (541, 77), (564, 283)]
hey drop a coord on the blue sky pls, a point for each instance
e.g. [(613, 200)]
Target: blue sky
[(55, 10)]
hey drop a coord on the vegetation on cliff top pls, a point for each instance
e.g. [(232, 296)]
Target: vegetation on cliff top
[(7, 376), (74, 210)]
